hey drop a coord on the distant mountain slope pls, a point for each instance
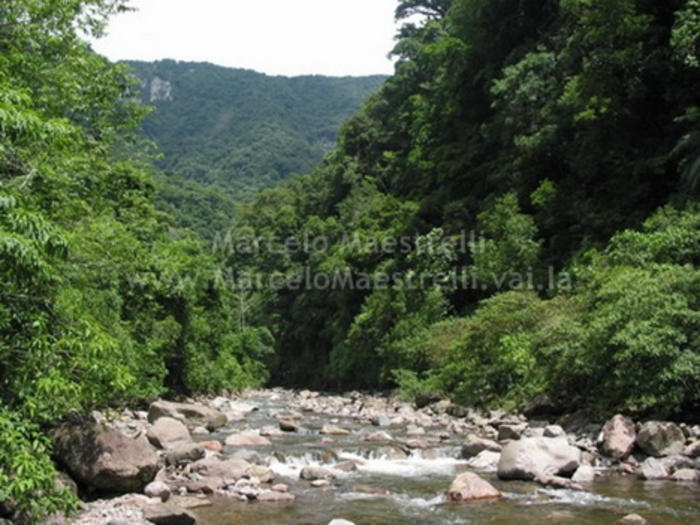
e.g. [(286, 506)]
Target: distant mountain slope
[(242, 131)]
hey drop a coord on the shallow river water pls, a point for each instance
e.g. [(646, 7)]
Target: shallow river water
[(385, 491)]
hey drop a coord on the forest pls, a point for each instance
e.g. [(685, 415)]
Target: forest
[(516, 210), (224, 134)]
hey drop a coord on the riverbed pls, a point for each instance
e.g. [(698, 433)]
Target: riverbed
[(396, 484)]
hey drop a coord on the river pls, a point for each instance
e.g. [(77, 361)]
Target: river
[(394, 485)]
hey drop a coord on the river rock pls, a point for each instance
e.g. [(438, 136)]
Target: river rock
[(557, 482), (273, 496), (553, 431), (686, 474), (200, 431), (692, 450), (310, 473), (167, 514), (247, 439), (468, 486), (659, 439), (633, 519), (104, 459), (270, 431), (346, 466), (415, 431), (157, 489), (618, 437), (212, 446), (378, 436), (584, 474), (288, 425), (194, 415), (511, 431), (184, 453), (381, 421), (531, 457), (652, 469), (167, 433), (475, 445), (330, 430), (260, 472), (485, 460), (216, 469)]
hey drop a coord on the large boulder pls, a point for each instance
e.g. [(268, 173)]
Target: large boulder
[(104, 459), (529, 458), (618, 437), (468, 486), (189, 413), (168, 433), (660, 439)]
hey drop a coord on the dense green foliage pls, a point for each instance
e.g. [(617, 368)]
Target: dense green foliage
[(226, 134), (552, 130), (101, 301)]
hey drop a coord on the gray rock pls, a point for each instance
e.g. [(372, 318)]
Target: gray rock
[(330, 430), (288, 425), (660, 439), (652, 469), (194, 415), (529, 458), (692, 450), (485, 460), (468, 486), (584, 474), (633, 519), (554, 431), (157, 489), (247, 439), (310, 473), (184, 453), (686, 475), (511, 431), (105, 460), (381, 421), (618, 437), (378, 436), (273, 496), (168, 433), (474, 445)]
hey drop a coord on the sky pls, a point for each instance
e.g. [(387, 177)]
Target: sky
[(277, 37)]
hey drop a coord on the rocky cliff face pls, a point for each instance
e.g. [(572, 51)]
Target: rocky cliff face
[(160, 90)]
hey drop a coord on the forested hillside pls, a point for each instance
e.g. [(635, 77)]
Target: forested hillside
[(102, 302), (564, 136), (225, 134)]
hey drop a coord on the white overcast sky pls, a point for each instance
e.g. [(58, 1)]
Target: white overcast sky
[(277, 37)]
